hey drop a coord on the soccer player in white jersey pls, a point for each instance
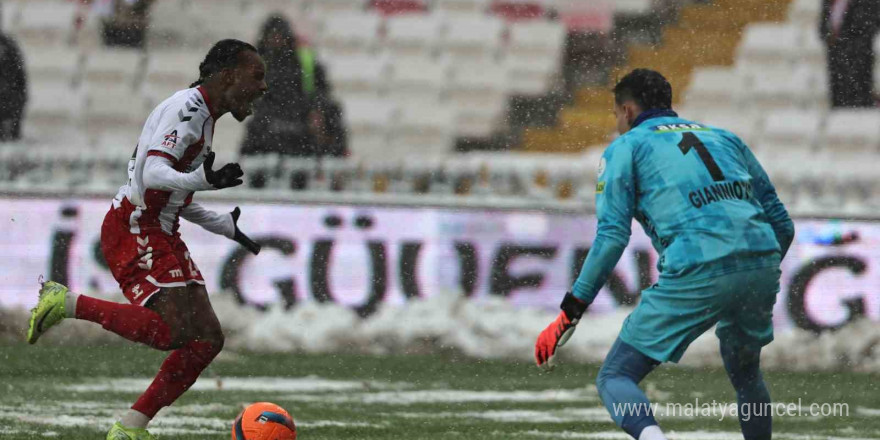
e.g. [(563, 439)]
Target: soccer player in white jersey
[(169, 307)]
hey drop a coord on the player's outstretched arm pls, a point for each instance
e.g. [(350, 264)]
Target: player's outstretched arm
[(159, 173), (220, 224), (615, 204)]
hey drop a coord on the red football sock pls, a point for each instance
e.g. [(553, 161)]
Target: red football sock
[(135, 323), (179, 371)]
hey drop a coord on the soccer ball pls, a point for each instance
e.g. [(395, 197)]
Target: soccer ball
[(263, 421)]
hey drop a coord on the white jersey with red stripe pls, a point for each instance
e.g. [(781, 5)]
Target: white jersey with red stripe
[(179, 130)]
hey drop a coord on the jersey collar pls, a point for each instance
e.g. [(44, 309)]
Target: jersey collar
[(648, 114), (207, 100)]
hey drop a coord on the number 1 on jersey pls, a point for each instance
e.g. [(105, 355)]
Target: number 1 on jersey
[(690, 140)]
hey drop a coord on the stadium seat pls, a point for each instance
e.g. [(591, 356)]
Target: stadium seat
[(172, 25), (531, 75), (333, 7), (773, 89), (412, 35), (595, 16), (172, 68), (350, 33), (804, 13), (793, 129), (714, 88), (45, 22), (852, 130), (817, 94), (53, 104), (516, 10), (746, 125), (357, 76), (632, 7), (110, 105), (812, 51), (10, 17), (153, 94), (462, 7), (472, 38), (420, 130), (368, 122), (766, 44), (54, 63), (397, 7), (536, 37), (228, 20), (114, 66), (416, 80), (478, 93), (533, 55)]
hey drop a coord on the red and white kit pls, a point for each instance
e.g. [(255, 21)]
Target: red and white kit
[(139, 236)]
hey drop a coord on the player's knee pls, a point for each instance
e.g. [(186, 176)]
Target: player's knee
[(602, 379), (217, 341), (742, 362), (214, 337)]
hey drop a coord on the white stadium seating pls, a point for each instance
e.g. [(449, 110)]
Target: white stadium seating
[(793, 129), (52, 63), (769, 44), (350, 33), (114, 66), (852, 130), (413, 34), (715, 88), (418, 80), (422, 130), (472, 38)]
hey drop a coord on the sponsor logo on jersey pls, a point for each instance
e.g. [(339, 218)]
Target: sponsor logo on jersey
[(137, 291), (737, 190), (669, 128), (171, 140)]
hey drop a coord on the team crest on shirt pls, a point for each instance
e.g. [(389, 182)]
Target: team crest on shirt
[(170, 140)]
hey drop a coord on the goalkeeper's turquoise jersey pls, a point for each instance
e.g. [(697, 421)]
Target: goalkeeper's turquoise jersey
[(697, 191)]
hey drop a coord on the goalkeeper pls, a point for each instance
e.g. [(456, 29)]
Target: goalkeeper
[(720, 231)]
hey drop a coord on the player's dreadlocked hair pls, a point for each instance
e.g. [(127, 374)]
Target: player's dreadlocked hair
[(223, 55), (648, 88)]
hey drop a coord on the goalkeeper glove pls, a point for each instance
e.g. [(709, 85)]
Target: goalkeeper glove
[(557, 333), (240, 237), (226, 177)]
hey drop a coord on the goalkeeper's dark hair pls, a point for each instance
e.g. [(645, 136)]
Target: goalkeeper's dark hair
[(648, 88), (224, 55)]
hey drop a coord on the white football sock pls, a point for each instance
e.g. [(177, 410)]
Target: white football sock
[(70, 304), (134, 419), (652, 432)]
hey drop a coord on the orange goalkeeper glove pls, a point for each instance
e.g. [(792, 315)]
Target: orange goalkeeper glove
[(559, 331)]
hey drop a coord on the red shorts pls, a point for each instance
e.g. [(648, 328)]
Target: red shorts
[(144, 263)]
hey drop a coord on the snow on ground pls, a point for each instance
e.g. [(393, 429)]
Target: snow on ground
[(494, 328), (487, 328), (309, 384)]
